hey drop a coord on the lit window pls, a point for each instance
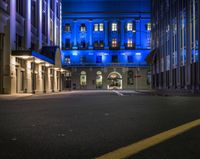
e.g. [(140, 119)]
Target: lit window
[(83, 78), (99, 81), (130, 43), (82, 28), (114, 26), (114, 42), (101, 27), (149, 26), (96, 27), (67, 28), (67, 60), (129, 26)]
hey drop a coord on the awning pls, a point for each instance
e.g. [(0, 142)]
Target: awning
[(53, 53), (49, 54), (150, 57), (29, 54)]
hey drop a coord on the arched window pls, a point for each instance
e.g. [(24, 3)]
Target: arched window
[(83, 78), (130, 80), (99, 79)]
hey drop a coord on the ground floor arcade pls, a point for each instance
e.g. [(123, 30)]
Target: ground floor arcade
[(109, 78)]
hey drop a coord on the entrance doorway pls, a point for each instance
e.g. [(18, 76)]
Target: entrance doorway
[(114, 81)]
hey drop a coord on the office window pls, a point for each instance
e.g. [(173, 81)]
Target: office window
[(130, 59), (130, 79), (99, 79), (101, 44), (19, 42), (130, 43), (114, 26), (83, 78), (96, 27), (83, 28), (129, 26), (67, 59), (114, 42), (99, 59), (101, 27), (148, 26), (83, 59), (67, 27), (114, 59), (19, 7), (34, 13)]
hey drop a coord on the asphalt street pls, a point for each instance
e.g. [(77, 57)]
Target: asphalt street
[(89, 124)]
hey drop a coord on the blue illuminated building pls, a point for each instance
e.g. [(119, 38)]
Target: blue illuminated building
[(105, 43)]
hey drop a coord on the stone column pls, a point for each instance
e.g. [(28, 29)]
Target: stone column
[(90, 35), (55, 22), (9, 77), (122, 35), (28, 24), (48, 22), (1, 61), (75, 34), (188, 46), (199, 47), (28, 80), (39, 24), (106, 30)]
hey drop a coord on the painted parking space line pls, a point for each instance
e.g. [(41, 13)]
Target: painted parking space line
[(139, 146), (118, 93)]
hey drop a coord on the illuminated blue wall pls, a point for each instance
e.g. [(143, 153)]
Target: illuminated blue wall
[(90, 12)]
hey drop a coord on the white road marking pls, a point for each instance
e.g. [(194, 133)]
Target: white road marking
[(118, 93)]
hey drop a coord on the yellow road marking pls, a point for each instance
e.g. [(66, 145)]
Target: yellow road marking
[(134, 148)]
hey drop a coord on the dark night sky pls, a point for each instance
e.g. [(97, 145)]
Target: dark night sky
[(106, 5)]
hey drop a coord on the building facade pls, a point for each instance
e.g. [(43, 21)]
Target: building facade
[(175, 45), (29, 30), (104, 44)]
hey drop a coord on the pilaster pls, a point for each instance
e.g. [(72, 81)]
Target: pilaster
[(106, 30), (28, 24), (75, 34)]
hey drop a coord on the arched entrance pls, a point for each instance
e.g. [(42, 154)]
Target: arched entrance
[(114, 81)]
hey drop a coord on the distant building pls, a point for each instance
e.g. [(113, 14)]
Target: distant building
[(30, 40), (104, 44), (175, 44)]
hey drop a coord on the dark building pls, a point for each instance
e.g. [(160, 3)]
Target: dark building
[(175, 45), (105, 43)]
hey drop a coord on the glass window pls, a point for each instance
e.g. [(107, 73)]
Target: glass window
[(114, 59), (83, 59), (130, 59), (101, 27), (83, 78), (83, 28), (67, 59), (99, 78), (99, 59), (148, 26), (130, 43), (130, 80), (96, 27), (129, 26), (114, 42), (114, 26), (67, 27)]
